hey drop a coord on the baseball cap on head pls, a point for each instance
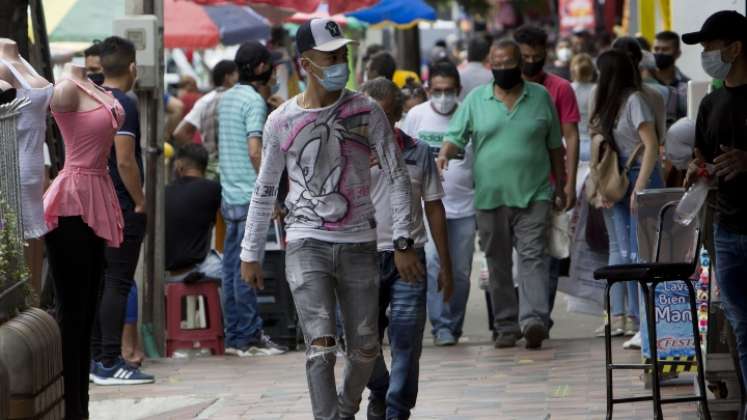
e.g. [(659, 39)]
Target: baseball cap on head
[(321, 35), (251, 54), (727, 25)]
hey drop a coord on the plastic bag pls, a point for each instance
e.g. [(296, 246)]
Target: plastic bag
[(693, 199), (559, 243)]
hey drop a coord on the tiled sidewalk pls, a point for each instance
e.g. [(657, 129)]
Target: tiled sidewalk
[(563, 381)]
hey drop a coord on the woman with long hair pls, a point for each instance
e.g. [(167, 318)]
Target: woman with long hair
[(621, 111)]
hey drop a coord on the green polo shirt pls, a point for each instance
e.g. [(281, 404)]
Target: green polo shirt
[(511, 149)]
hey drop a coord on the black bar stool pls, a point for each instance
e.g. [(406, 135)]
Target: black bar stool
[(649, 275)]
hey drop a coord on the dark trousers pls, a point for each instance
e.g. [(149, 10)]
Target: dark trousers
[(118, 280), (76, 257)]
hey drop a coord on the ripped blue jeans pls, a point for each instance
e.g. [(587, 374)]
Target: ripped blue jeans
[(320, 274)]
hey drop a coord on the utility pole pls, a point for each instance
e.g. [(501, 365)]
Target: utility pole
[(408, 48), (150, 102)]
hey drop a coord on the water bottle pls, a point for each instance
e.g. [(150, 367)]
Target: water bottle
[(691, 203)]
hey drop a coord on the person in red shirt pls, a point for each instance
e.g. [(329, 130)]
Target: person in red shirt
[(532, 41), (188, 93)]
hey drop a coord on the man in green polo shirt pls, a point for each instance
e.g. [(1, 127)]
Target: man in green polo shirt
[(516, 135)]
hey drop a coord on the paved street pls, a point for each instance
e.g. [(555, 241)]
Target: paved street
[(563, 381)]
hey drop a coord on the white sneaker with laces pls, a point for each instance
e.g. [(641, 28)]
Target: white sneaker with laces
[(634, 342), (616, 329), (265, 347)]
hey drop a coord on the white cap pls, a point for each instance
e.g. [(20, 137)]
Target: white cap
[(321, 35)]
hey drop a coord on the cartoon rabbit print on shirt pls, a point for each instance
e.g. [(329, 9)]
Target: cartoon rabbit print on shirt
[(321, 164)]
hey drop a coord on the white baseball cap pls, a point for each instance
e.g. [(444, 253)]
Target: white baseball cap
[(321, 35)]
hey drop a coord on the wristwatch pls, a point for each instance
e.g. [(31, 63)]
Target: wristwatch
[(403, 244)]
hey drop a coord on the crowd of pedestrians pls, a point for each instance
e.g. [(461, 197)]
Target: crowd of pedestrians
[(386, 194)]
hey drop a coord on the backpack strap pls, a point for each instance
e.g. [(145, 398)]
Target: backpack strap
[(632, 157)]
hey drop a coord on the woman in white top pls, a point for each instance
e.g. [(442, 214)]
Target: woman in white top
[(621, 110)]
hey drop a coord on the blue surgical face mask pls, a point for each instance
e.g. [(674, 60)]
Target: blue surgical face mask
[(335, 76), (713, 65)]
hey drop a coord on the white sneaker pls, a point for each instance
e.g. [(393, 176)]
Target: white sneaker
[(231, 351), (265, 347), (633, 343), (616, 329), (631, 326)]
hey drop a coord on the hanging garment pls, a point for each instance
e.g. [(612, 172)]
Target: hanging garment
[(84, 187), (31, 132)]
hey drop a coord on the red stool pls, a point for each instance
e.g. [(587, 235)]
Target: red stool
[(179, 338)]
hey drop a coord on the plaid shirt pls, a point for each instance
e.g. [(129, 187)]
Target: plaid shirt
[(241, 114)]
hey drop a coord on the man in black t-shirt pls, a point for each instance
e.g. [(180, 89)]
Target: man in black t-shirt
[(126, 170), (721, 139), (192, 202)]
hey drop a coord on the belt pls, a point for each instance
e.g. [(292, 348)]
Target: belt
[(85, 171)]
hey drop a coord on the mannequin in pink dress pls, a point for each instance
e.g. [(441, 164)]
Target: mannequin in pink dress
[(31, 128), (83, 215)]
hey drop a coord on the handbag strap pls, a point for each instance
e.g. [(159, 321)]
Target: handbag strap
[(633, 156)]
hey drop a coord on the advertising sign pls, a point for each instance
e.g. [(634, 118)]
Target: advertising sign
[(576, 14)]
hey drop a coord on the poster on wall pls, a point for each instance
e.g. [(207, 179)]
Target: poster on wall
[(576, 15)]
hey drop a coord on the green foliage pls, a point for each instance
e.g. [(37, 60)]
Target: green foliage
[(12, 264)]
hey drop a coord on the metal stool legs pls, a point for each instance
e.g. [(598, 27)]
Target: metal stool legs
[(649, 291), (608, 349), (698, 351)]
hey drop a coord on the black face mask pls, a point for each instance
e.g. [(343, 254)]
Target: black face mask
[(97, 78), (507, 78), (262, 78), (664, 61), (533, 69)]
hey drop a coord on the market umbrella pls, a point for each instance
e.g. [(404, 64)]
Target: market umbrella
[(188, 24), (309, 6), (321, 12), (400, 13), (80, 21)]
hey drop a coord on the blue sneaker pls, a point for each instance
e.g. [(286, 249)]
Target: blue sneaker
[(120, 374), (444, 338), (91, 371)]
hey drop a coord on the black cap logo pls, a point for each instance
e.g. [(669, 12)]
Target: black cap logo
[(333, 29)]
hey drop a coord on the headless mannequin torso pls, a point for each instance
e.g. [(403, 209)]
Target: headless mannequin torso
[(22, 77), (68, 97), (9, 53)]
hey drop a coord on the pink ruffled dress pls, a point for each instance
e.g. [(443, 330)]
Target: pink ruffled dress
[(84, 187)]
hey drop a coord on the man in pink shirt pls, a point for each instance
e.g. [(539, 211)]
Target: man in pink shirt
[(532, 41)]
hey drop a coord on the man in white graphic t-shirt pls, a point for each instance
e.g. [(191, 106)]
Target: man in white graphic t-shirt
[(428, 122)]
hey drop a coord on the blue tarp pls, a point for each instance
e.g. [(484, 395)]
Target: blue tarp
[(399, 12)]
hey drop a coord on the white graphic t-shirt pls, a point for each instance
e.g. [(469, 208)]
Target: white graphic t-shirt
[(425, 124), (326, 152)]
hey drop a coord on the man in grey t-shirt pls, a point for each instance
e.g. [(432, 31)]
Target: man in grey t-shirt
[(393, 394)]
